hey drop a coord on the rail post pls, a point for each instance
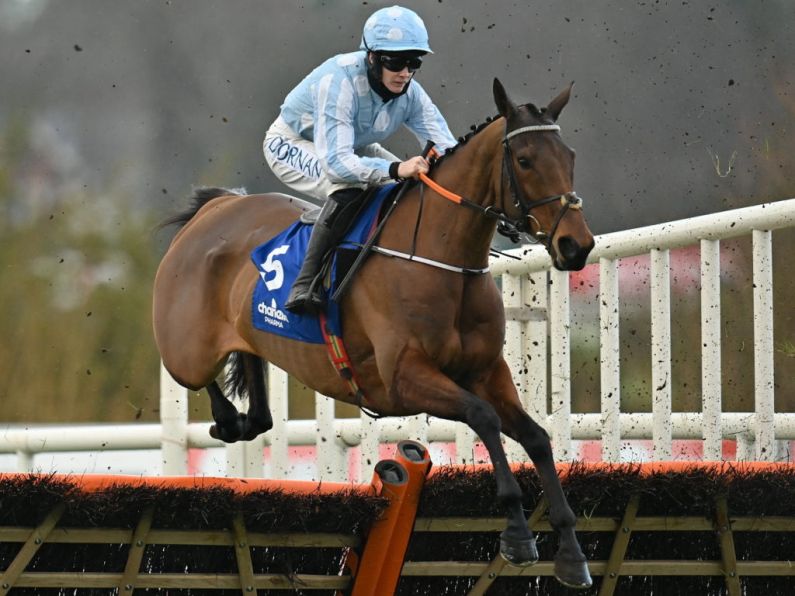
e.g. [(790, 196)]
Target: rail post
[(173, 425), (560, 366)]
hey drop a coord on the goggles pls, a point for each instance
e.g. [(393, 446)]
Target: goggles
[(398, 63)]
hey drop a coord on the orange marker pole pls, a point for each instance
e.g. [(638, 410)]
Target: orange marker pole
[(415, 458), (401, 482)]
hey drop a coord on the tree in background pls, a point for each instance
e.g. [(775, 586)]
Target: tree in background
[(76, 292)]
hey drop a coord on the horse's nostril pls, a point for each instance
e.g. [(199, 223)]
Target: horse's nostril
[(569, 248)]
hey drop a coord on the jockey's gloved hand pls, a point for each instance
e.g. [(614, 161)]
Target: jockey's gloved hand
[(411, 168)]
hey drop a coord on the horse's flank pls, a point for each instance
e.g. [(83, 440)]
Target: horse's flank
[(212, 250)]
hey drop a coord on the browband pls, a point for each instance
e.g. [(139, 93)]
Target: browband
[(533, 128)]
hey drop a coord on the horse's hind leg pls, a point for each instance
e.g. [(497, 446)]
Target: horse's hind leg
[(230, 425), (258, 420)]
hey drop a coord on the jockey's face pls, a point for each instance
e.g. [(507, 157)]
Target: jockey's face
[(396, 69), (396, 81)]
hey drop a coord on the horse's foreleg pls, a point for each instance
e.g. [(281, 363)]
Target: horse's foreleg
[(229, 423), (571, 567), (517, 543), (418, 385)]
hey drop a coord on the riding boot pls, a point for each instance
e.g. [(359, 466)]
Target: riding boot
[(306, 295)]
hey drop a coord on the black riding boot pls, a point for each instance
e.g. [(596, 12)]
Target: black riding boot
[(306, 295)]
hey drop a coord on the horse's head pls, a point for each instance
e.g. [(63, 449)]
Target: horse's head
[(539, 169)]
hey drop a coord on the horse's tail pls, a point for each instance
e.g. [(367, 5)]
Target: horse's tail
[(237, 379), (201, 196)]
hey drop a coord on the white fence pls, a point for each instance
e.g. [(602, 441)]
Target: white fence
[(538, 348)]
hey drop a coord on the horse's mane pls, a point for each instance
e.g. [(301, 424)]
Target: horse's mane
[(462, 140), (476, 128)]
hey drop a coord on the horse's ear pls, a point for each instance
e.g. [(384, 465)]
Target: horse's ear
[(505, 106), (556, 105)]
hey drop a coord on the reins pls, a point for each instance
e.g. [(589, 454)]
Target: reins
[(569, 200), (489, 212), (505, 224), (365, 252)]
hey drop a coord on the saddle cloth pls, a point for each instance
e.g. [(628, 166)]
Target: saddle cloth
[(278, 262)]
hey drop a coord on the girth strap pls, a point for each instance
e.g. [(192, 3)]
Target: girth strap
[(340, 360)]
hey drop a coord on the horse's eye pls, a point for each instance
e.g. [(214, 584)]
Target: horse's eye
[(525, 163)]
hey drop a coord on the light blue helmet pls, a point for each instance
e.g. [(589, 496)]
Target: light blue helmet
[(395, 29)]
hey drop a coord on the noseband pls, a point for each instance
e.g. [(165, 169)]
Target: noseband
[(568, 200)]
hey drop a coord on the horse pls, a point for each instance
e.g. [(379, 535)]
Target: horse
[(422, 338)]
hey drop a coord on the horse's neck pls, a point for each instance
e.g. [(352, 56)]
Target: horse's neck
[(478, 164), (473, 172)]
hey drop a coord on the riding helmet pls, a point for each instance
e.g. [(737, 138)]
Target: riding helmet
[(395, 29)]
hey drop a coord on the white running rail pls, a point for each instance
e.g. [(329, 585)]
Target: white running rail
[(537, 305)]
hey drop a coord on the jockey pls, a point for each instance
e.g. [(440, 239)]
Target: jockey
[(325, 142)]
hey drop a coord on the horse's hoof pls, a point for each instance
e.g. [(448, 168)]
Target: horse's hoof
[(519, 552), (221, 435), (255, 429), (573, 574), (229, 432)]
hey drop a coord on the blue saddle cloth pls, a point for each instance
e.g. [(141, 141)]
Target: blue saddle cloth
[(278, 262)]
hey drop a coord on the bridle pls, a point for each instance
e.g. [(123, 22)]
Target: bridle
[(506, 225), (569, 200)]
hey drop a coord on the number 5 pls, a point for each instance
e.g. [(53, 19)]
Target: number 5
[(273, 265)]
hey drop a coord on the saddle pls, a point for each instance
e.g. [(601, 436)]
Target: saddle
[(279, 260), (310, 217)]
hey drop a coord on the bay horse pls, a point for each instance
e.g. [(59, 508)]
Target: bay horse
[(422, 338)]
